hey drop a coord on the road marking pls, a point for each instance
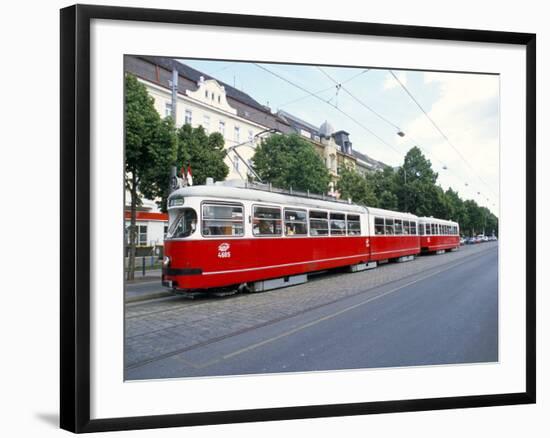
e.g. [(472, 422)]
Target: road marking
[(322, 319)]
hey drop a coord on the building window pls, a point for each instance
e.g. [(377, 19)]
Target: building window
[(219, 99), (237, 134), (167, 109), (188, 117), (266, 221), (212, 96), (206, 93), (295, 222), (236, 164), (221, 128), (250, 135), (222, 220), (206, 123), (142, 235)]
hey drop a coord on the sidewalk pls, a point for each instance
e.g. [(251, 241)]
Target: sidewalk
[(145, 287)]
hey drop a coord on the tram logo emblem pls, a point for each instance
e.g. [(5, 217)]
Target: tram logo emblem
[(223, 251)]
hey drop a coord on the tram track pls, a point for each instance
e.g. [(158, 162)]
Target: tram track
[(426, 272)]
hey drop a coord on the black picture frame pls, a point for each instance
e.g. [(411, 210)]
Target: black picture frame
[(75, 217)]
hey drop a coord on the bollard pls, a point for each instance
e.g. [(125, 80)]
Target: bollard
[(143, 266)]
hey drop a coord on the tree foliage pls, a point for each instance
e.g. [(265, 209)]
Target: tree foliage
[(150, 147), (290, 161), (352, 185), (205, 153)]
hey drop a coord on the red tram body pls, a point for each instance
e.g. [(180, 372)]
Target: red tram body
[(221, 236), (438, 235)]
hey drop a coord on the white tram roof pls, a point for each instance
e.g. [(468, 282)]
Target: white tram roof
[(223, 192), (391, 213), (434, 220)]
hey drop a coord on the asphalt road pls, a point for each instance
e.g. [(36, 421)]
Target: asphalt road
[(434, 310)]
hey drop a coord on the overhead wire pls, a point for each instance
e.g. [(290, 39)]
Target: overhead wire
[(332, 105), (385, 119), (440, 130)]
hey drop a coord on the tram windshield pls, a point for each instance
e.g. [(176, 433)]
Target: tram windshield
[(184, 225)]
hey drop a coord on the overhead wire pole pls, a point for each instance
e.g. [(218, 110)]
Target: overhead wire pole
[(440, 131), (330, 104)]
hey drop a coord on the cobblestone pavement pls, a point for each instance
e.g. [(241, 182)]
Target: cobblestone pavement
[(158, 329)]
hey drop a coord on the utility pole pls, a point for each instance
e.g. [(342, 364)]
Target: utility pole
[(174, 86)]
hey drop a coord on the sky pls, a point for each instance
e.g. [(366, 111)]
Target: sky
[(373, 106)]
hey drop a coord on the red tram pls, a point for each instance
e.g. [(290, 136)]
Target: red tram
[(226, 237), (437, 235)]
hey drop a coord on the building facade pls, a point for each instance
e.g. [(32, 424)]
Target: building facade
[(204, 101), (207, 102)]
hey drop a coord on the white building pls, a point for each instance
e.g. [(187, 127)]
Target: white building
[(207, 102)]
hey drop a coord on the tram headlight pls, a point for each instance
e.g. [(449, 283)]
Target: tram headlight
[(166, 261)]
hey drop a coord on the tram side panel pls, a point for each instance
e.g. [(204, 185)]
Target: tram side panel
[(202, 264)]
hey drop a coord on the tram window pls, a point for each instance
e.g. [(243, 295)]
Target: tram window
[(421, 229), (406, 227), (379, 226), (266, 221), (389, 226), (413, 227), (222, 220), (337, 224), (398, 226), (184, 225), (354, 225), (318, 223), (295, 222)]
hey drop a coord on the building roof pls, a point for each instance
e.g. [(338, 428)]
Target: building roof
[(195, 75), (299, 124), (368, 160)]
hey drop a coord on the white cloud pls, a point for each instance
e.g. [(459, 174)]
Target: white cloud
[(467, 111), (390, 82)]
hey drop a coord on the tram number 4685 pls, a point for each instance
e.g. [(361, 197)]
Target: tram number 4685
[(223, 251)]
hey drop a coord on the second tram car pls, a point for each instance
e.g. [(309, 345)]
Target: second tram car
[(221, 236), (438, 235)]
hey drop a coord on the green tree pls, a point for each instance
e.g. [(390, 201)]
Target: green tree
[(384, 185), (354, 186), (387, 200), (205, 153), (417, 191), (149, 151), (290, 161)]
